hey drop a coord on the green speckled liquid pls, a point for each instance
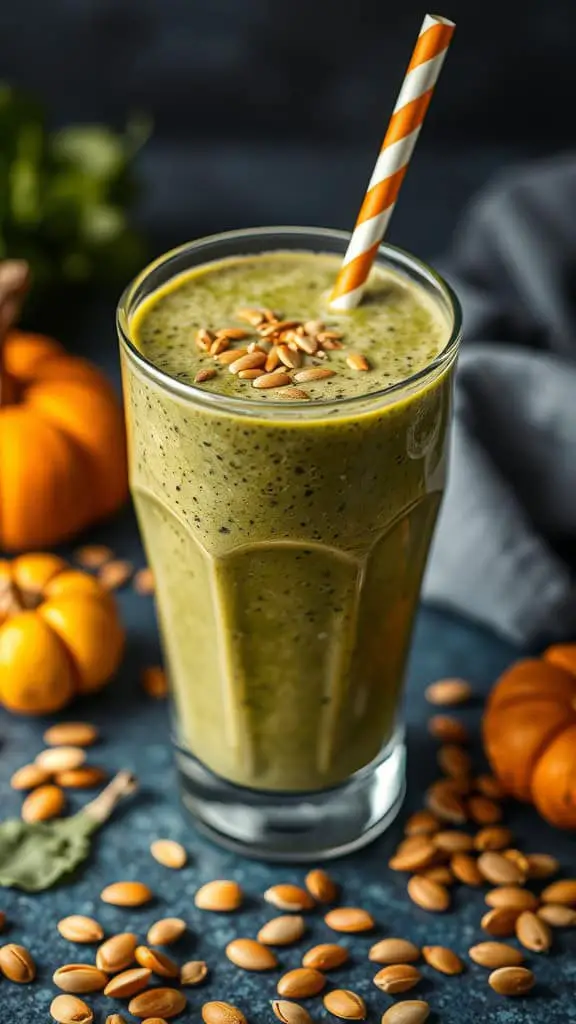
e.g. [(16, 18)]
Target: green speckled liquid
[(288, 546)]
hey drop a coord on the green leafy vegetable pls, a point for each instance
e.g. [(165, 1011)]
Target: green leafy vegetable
[(65, 196), (35, 857)]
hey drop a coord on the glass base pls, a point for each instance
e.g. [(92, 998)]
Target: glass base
[(294, 827)]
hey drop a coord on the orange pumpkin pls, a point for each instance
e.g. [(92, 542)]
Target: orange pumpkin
[(530, 733), (62, 440), (60, 634)]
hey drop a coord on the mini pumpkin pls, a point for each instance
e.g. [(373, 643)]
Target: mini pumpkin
[(62, 440), (60, 634), (530, 733)]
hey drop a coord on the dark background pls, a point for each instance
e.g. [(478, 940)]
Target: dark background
[(273, 110)]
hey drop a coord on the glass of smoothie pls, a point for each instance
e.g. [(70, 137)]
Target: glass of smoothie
[(287, 464)]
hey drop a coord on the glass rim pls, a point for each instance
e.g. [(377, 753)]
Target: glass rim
[(394, 254)]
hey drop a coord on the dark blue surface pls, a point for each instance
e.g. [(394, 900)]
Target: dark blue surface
[(135, 735)]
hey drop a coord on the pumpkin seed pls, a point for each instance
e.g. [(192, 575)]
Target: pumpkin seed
[(533, 933), (272, 360), (501, 921), (250, 361), (93, 556), (495, 954), (413, 844), (251, 955), (446, 804), (117, 953), (490, 786), (557, 915), (448, 729), (422, 823), (157, 962), (397, 978), (314, 373), (465, 869), (301, 983), (128, 983), (126, 894), (251, 375), (71, 734), (493, 837), (345, 1004), (193, 972), (454, 761), (221, 895), (155, 682), (420, 852), (393, 951), (43, 804), (166, 931), (289, 897), (283, 930), (29, 776), (225, 358), (86, 777), (80, 978), (325, 957), (116, 1018), (498, 869), (16, 964), (483, 810), (222, 1013), (428, 895), (356, 361), (409, 1011), (290, 1013), (440, 873), (169, 853), (563, 892), (349, 920), (144, 583), (292, 394), (321, 886), (77, 928), (511, 981), (276, 379), (448, 691), (313, 327), (157, 1002), (233, 333), (442, 959), (115, 574), (541, 865), (453, 841), (291, 359), (70, 1010), (511, 896)]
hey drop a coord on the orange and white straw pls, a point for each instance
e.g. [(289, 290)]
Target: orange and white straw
[(392, 163)]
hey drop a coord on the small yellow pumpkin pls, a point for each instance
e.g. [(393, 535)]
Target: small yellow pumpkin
[(62, 440), (60, 634)]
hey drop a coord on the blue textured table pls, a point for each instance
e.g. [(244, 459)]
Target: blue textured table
[(135, 735)]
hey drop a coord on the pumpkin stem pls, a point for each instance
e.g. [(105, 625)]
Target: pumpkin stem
[(14, 281), (10, 600), (123, 784)]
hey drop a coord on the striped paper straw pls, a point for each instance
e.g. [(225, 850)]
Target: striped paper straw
[(392, 163)]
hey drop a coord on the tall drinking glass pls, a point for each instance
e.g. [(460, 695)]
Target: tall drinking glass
[(288, 543)]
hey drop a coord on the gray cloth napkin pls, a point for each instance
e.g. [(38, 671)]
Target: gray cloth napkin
[(504, 548)]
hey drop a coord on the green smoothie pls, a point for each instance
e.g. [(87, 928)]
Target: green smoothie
[(287, 538)]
